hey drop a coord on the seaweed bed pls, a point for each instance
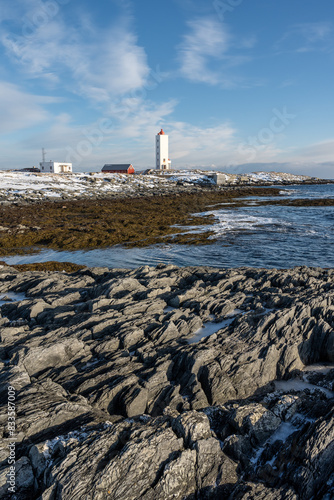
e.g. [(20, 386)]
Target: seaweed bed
[(51, 265), (135, 222)]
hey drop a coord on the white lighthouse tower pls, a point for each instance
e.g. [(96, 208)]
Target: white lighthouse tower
[(161, 151)]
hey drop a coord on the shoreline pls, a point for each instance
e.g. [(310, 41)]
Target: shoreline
[(178, 188), (26, 188), (139, 221), (182, 220), (171, 369)]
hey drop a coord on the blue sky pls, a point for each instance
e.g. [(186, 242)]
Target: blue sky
[(236, 84)]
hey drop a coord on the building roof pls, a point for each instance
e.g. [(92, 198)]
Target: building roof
[(116, 166), (28, 169)]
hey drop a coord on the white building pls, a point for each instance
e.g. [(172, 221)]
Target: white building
[(161, 151), (54, 167)]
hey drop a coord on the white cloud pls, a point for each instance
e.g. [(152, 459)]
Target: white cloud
[(20, 109), (248, 42), (207, 42), (321, 151), (93, 62), (313, 32), (306, 37), (208, 52), (191, 144), (144, 119), (115, 66)]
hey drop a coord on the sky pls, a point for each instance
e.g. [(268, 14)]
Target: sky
[(238, 85)]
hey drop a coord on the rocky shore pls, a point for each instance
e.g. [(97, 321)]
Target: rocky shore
[(25, 188), (168, 383)]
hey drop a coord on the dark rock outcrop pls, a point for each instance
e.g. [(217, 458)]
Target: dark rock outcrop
[(114, 400)]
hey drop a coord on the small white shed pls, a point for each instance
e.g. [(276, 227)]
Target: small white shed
[(54, 167)]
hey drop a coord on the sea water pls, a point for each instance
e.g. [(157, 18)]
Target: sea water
[(270, 236)]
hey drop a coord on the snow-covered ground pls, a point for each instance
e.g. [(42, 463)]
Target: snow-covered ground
[(32, 186), (277, 177), (15, 185), (254, 177)]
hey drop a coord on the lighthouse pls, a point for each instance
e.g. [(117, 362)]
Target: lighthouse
[(161, 151)]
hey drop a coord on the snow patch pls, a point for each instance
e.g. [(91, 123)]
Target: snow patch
[(208, 329), (48, 448)]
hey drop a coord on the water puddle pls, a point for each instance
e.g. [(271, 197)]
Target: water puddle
[(89, 364), (169, 309), (322, 368), (235, 312), (300, 385), (284, 430), (8, 297)]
